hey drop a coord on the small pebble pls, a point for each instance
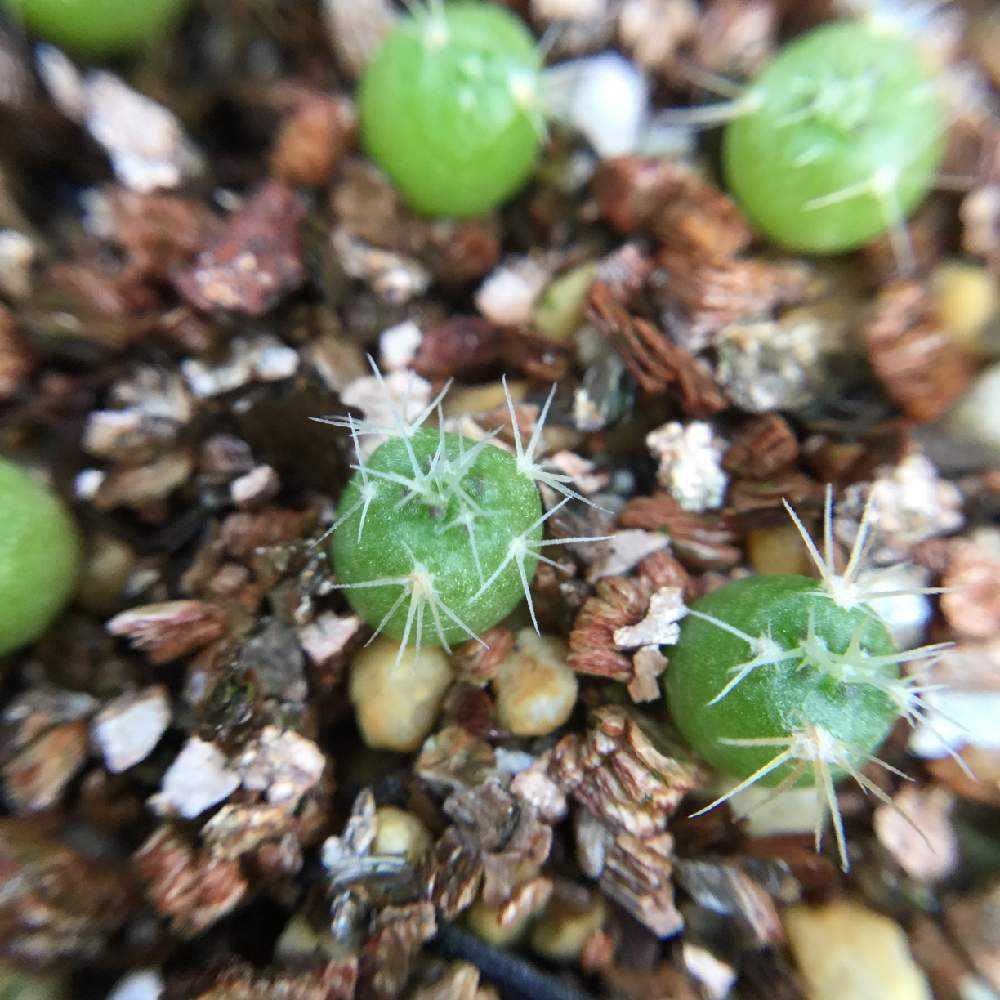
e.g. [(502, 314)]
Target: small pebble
[(484, 922), (917, 830), (396, 703), (847, 952), (400, 832), (534, 688), (778, 549), (562, 930), (965, 298), (107, 566), (560, 310), (972, 421)]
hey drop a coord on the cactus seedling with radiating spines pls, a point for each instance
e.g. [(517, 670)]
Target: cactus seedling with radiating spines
[(437, 536), (836, 141), (842, 139), (449, 107), (784, 680)]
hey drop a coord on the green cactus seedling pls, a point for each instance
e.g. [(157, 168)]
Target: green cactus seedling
[(39, 557), (437, 536), (784, 680)]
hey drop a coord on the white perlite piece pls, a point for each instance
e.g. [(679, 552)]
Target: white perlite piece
[(908, 611), (198, 779), (144, 141), (325, 637), (398, 346), (143, 984), (508, 293), (623, 550), (260, 358), (954, 719), (909, 504), (282, 764), (690, 463), (715, 976), (17, 254), (129, 726), (659, 627), (604, 97), (255, 487), (772, 365)]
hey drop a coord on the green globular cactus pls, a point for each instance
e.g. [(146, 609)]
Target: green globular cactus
[(39, 557), (841, 140), (785, 680), (449, 107), (99, 27), (437, 536), (835, 141)]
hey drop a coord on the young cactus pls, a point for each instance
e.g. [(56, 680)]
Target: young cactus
[(99, 27), (450, 106), (785, 680), (437, 536), (39, 557), (836, 141)]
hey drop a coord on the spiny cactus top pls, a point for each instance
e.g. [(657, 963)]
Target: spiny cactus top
[(39, 556), (786, 680), (437, 536), (449, 107)]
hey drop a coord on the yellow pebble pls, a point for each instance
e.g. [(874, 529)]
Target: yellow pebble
[(778, 549), (535, 689), (400, 832), (562, 930), (396, 703), (847, 952), (965, 300)]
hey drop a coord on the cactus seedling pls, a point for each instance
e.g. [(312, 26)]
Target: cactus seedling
[(449, 107), (437, 536), (98, 27), (835, 141), (39, 556), (784, 680)]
